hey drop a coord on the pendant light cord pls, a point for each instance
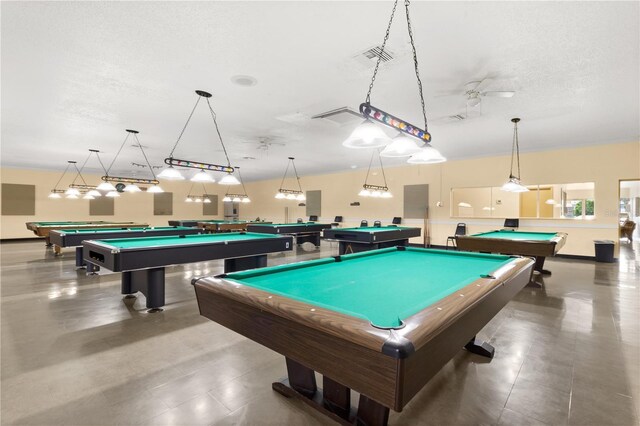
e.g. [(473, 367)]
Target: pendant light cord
[(515, 149), (415, 64), (384, 43), (117, 154), (145, 156), (407, 3), (63, 173), (285, 174), (184, 128), (215, 122), (382, 168), (80, 170), (366, 179), (297, 177)]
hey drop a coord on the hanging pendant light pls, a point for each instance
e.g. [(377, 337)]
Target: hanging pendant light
[(155, 189), (367, 135), (401, 146), (170, 174), (290, 194), (514, 184), (229, 179), (54, 194), (246, 200), (72, 191), (375, 191), (206, 200), (106, 186), (94, 193), (71, 197), (88, 197), (188, 199), (226, 199), (427, 155), (202, 176), (112, 194), (132, 187)]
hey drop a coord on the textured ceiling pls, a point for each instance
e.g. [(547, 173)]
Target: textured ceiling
[(76, 74)]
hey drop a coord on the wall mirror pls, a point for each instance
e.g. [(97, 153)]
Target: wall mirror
[(549, 201)]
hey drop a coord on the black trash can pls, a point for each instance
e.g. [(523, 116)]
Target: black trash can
[(604, 251)]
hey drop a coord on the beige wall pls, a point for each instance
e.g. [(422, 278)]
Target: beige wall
[(602, 164), (128, 207)]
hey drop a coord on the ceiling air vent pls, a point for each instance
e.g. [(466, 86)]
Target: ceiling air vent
[(341, 116), (376, 52)]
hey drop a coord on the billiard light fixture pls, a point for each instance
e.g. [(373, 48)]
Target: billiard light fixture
[(411, 141), (55, 192), (375, 191), (204, 198), (130, 183), (237, 198), (513, 184), (171, 173), (77, 189), (290, 194)]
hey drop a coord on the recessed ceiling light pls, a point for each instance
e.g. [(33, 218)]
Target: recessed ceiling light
[(354, 166), (248, 158), (244, 80)]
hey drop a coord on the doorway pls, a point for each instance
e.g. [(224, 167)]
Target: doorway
[(231, 211), (629, 215)]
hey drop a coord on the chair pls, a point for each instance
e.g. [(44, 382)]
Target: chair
[(396, 220), (336, 222), (364, 223), (377, 224), (512, 223), (626, 230), (313, 218), (300, 220), (461, 229)]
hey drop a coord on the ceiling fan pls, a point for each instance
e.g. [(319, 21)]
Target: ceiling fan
[(474, 91)]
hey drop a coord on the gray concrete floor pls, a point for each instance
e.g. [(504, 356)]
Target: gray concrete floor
[(75, 353)]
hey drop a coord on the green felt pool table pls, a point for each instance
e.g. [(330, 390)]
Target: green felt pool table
[(354, 240), (534, 244), (226, 225), (74, 237), (305, 232), (142, 261), (42, 229), (381, 322)]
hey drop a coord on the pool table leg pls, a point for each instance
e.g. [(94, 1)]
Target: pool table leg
[(149, 282), (333, 400), (92, 269), (47, 242), (79, 259), (301, 378), (480, 347), (539, 266)]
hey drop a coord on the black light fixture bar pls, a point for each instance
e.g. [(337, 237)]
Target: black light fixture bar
[(130, 180), (375, 187), (198, 165), (289, 191), (82, 186), (369, 111)]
